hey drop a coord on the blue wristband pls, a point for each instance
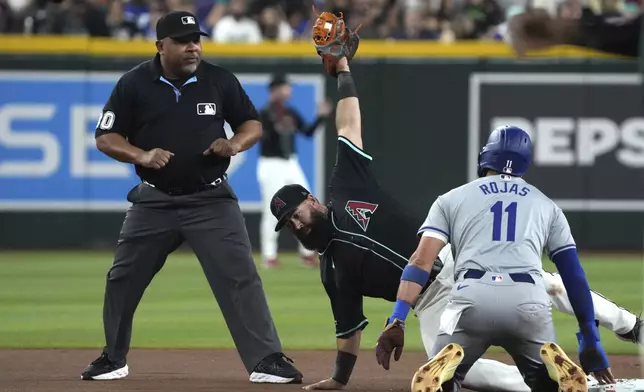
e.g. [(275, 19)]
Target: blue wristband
[(414, 274), (400, 311)]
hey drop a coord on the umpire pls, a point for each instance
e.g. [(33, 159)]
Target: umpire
[(166, 116)]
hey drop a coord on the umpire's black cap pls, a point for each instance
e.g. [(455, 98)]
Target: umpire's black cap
[(285, 201), (178, 24)]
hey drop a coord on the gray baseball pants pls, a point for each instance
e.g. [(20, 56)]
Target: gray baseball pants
[(212, 224), (499, 309)]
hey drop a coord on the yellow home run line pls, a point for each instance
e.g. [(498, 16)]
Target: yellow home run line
[(298, 49)]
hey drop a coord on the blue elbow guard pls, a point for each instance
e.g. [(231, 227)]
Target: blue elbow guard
[(574, 280), (414, 274)]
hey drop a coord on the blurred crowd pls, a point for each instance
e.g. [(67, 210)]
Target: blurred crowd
[(254, 21)]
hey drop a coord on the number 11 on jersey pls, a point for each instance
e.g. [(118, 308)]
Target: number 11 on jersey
[(497, 210)]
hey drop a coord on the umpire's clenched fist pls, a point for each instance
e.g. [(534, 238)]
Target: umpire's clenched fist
[(154, 159), (223, 148)]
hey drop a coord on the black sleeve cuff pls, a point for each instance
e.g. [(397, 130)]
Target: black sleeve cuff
[(344, 364)]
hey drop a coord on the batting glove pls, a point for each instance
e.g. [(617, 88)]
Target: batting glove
[(392, 339)]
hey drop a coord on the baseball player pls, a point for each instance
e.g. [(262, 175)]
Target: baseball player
[(365, 238), (498, 226), (278, 164)]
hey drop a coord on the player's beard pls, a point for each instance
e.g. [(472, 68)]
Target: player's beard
[(317, 234)]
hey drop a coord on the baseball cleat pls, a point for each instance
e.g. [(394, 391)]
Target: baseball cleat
[(431, 376), (271, 263), (103, 369), (309, 261), (276, 369), (569, 376)]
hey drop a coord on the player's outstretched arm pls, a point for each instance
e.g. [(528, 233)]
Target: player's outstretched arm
[(337, 44), (347, 118), (609, 315), (563, 253), (345, 361)]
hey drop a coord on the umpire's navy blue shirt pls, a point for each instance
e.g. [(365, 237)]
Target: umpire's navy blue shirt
[(151, 112)]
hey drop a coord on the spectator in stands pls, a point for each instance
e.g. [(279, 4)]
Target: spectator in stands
[(236, 26), (337, 6), (415, 27), (273, 26), (631, 8), (568, 9), (34, 15), (296, 13), (209, 12), (7, 17), (445, 11), (77, 17), (372, 16), (134, 18), (500, 33), (485, 16), (253, 21)]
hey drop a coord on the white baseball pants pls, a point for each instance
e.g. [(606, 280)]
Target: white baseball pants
[(272, 174), (493, 375)]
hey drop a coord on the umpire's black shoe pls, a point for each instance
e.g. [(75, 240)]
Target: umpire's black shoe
[(104, 369), (276, 369), (633, 335)]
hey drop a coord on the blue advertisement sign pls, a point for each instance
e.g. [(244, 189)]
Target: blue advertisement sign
[(48, 157)]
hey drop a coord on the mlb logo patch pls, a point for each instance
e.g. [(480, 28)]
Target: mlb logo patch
[(206, 109), (188, 20), (497, 278)]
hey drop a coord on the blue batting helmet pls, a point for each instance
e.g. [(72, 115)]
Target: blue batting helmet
[(508, 151)]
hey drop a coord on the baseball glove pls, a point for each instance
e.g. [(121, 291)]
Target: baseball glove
[(334, 40)]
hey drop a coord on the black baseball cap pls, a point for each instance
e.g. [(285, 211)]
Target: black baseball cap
[(178, 24), (278, 80), (285, 201)]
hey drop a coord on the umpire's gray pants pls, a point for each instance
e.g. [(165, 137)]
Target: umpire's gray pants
[(499, 312), (212, 224)]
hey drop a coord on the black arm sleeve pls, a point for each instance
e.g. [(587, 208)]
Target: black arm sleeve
[(238, 108), (118, 113), (303, 127), (346, 303), (617, 37)]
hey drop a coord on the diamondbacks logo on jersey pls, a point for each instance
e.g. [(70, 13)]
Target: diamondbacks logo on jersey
[(361, 212)]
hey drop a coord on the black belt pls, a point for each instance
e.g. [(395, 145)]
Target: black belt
[(182, 191), (517, 277)]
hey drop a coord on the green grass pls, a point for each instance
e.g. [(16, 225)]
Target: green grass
[(54, 299)]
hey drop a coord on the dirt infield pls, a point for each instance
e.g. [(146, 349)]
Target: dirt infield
[(207, 370)]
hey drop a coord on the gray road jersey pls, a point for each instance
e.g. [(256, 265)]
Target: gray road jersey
[(499, 224)]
